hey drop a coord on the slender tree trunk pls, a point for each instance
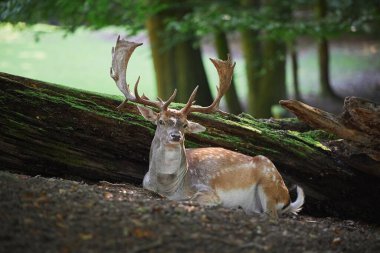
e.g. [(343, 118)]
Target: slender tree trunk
[(323, 55), (280, 68), (231, 96), (265, 66), (190, 73), (294, 60), (272, 83), (324, 67), (253, 66), (251, 48), (163, 56)]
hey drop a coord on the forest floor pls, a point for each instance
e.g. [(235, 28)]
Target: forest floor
[(40, 214)]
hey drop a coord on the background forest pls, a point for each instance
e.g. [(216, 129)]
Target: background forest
[(72, 163), (319, 51)]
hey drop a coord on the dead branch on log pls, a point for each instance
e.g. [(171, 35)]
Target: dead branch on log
[(358, 126)]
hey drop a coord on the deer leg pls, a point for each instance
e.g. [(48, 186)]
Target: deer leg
[(267, 201), (206, 196), (272, 210)]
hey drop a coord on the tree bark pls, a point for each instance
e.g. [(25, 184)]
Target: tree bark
[(190, 73), (265, 65), (164, 66), (55, 131), (294, 57), (272, 83), (173, 60), (231, 97), (251, 48), (324, 55)]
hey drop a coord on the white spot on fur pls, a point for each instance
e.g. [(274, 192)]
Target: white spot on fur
[(267, 170)]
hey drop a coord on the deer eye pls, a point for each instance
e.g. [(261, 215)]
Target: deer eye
[(161, 122)]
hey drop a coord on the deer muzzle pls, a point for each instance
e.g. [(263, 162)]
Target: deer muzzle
[(175, 137)]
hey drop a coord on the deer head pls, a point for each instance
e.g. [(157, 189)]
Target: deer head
[(171, 124)]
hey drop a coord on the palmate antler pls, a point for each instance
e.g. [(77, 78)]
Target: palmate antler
[(121, 54), (225, 71)]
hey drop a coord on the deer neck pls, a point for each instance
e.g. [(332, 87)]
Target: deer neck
[(167, 168)]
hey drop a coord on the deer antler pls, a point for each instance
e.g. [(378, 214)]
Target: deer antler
[(120, 58), (225, 70)]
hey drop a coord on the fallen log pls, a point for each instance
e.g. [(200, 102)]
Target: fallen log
[(56, 131)]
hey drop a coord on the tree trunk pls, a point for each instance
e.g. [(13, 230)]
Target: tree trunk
[(265, 66), (324, 67), (251, 48), (323, 56), (190, 73), (294, 57), (57, 131), (272, 83), (164, 66), (173, 62), (231, 96)]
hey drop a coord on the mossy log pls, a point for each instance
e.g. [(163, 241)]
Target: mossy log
[(56, 131)]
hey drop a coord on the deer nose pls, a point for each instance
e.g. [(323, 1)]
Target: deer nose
[(175, 137)]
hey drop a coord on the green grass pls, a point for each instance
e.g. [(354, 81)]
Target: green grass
[(82, 60)]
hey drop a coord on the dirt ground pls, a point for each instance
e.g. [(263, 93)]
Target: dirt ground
[(40, 214)]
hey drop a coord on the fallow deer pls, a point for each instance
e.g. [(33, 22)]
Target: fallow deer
[(209, 176)]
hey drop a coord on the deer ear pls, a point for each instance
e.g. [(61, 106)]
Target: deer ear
[(194, 127), (148, 114)]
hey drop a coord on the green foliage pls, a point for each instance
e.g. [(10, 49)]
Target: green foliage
[(94, 14), (201, 17), (276, 19)]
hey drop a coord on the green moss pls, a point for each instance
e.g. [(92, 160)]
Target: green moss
[(319, 135), (262, 132), (88, 106), (302, 144), (308, 138), (221, 138)]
